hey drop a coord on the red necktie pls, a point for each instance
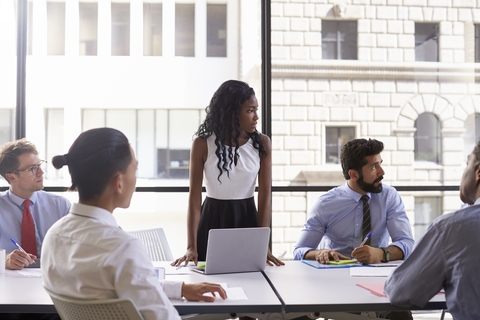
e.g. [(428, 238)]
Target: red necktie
[(29, 240)]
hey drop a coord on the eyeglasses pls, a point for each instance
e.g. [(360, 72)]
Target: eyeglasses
[(34, 169)]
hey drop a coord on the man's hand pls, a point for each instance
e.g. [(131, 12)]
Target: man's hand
[(195, 291), (324, 256), (17, 260), (367, 254)]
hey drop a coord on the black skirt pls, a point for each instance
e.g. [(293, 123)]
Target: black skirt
[(222, 214)]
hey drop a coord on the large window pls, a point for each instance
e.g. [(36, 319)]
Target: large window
[(185, 29), (216, 30), (152, 29), (339, 40), (88, 28), (161, 138), (426, 42), (472, 133), (6, 125), (120, 29)]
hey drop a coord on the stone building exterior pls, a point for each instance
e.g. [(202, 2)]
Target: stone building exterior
[(380, 91)]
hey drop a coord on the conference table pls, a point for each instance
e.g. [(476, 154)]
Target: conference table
[(276, 293)]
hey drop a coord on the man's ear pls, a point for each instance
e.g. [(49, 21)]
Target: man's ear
[(116, 183), (353, 174), (477, 174), (11, 177)]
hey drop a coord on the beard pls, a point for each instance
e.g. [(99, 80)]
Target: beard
[(370, 187)]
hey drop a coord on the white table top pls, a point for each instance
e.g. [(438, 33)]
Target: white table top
[(306, 289), (20, 294)]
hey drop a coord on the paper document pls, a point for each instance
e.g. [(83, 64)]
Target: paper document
[(371, 272), (318, 265), (235, 293), (29, 273), (169, 269), (393, 263), (375, 288)]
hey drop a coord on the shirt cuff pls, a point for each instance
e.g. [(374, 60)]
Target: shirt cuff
[(173, 289)]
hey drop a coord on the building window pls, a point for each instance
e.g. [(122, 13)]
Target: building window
[(56, 28), (152, 29), (161, 138), (427, 209), (54, 141), (428, 138), (120, 29), (29, 27), (335, 138), (477, 43), (472, 133), (88, 16), (216, 30), (339, 40), (426, 41), (185, 29), (6, 125)]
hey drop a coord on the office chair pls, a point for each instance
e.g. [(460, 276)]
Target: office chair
[(156, 243), (74, 309)]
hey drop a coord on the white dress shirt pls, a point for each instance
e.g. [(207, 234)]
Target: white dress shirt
[(86, 255)]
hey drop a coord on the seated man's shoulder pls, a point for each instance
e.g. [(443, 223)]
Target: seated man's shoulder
[(52, 197)]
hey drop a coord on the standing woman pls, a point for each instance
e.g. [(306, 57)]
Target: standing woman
[(229, 153)]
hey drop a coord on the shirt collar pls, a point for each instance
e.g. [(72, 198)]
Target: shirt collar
[(19, 201), (477, 201), (94, 213), (353, 194)]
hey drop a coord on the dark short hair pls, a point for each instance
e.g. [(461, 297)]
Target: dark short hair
[(9, 153), (93, 159), (354, 153), (476, 153)]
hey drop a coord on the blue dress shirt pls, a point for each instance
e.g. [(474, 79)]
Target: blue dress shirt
[(46, 209), (335, 222), (446, 257)]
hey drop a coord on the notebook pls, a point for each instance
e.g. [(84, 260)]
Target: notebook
[(236, 250)]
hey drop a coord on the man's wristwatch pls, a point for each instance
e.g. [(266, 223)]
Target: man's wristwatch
[(386, 255)]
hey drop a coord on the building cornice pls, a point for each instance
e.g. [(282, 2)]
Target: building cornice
[(438, 71)]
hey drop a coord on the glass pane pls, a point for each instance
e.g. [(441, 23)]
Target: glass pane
[(216, 30), (426, 210), (8, 72), (120, 29), (152, 29), (184, 30), (55, 141), (56, 28), (426, 42), (335, 138), (427, 138), (88, 15)]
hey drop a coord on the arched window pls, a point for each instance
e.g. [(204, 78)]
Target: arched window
[(427, 138), (472, 133)]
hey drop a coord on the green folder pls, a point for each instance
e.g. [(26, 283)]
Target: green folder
[(342, 262)]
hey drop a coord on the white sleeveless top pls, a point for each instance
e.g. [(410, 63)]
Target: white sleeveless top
[(240, 184)]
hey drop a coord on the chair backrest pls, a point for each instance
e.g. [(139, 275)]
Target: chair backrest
[(155, 242), (74, 309)]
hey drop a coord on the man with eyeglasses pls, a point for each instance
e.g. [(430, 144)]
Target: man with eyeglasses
[(26, 211)]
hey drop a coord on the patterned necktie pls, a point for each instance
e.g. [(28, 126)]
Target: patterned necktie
[(367, 226), (29, 240)]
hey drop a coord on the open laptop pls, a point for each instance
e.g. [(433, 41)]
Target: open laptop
[(236, 250)]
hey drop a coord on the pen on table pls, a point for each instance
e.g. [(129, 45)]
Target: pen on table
[(19, 248), (366, 238)]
